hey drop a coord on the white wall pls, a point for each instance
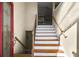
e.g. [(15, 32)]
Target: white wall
[(19, 25), (31, 11), (24, 18), (70, 43), (65, 14)]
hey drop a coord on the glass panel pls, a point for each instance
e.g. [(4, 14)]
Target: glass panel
[(6, 29), (41, 20), (44, 13)]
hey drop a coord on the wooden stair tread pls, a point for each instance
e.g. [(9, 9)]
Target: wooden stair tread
[(48, 40), (48, 56), (22, 55), (49, 51)]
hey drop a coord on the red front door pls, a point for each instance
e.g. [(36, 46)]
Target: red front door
[(6, 29)]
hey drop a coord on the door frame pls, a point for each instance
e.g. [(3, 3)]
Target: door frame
[(12, 28)]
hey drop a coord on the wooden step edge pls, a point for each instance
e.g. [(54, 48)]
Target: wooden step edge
[(47, 40), (44, 56), (48, 51), (47, 37), (22, 55), (48, 45), (48, 56)]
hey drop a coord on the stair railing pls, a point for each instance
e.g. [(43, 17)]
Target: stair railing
[(66, 30), (63, 31), (34, 31), (17, 39), (35, 24), (59, 28)]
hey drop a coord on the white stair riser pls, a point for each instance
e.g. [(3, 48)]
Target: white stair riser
[(45, 54), (45, 25), (46, 42), (46, 38), (48, 54), (46, 31), (45, 34), (45, 28), (49, 47), (61, 54)]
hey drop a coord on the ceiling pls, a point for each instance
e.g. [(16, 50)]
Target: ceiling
[(45, 4)]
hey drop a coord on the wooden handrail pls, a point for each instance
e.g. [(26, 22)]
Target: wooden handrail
[(34, 31), (70, 25), (63, 31), (59, 27), (20, 42), (57, 24), (35, 26)]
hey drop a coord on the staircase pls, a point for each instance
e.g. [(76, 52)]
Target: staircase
[(47, 43)]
